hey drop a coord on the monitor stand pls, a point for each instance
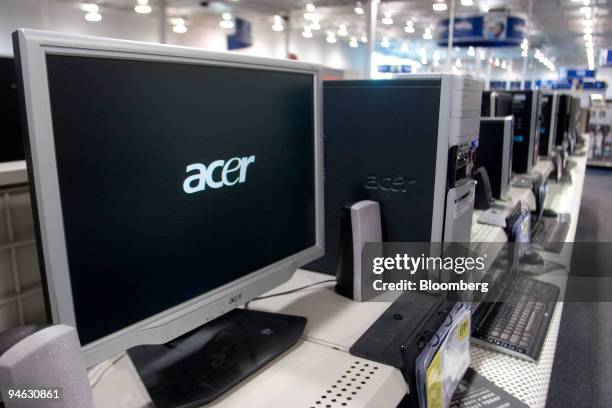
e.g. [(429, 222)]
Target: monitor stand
[(196, 368)]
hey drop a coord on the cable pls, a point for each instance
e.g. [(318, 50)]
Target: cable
[(288, 292), (96, 377)]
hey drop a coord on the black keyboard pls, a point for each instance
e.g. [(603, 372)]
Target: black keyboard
[(518, 325), (550, 234)]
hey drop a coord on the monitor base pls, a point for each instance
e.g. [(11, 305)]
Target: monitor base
[(198, 367)]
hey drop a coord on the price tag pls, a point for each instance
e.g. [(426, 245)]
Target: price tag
[(464, 329)]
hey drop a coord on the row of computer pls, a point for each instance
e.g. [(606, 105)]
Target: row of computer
[(519, 128), (171, 185)]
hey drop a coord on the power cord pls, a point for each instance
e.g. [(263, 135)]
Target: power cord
[(96, 373), (288, 292)]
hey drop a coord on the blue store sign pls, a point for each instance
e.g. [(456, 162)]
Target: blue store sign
[(580, 73), (488, 30)]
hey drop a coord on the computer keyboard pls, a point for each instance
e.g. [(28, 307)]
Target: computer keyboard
[(550, 234), (518, 324)]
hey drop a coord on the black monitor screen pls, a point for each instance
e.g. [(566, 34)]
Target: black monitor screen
[(11, 144), (176, 179)]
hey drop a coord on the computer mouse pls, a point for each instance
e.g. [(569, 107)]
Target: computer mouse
[(531, 257)]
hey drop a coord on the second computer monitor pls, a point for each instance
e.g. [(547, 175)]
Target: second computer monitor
[(563, 118), (495, 152), (548, 125)]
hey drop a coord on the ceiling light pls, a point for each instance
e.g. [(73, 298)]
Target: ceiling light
[(307, 33), (497, 62), (93, 17), (427, 34), (342, 32), (278, 25), (503, 64), (331, 37), (92, 10), (226, 21), (385, 42), (387, 20), (409, 29), (587, 30), (142, 7), (467, 2), (90, 7), (588, 37), (310, 8), (353, 43), (439, 6), (483, 56), (471, 51), (358, 8), (363, 39), (179, 28), (458, 63)]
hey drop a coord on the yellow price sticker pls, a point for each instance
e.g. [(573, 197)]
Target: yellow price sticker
[(464, 329), (433, 379)]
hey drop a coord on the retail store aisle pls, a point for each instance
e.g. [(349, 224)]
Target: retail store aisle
[(583, 362)]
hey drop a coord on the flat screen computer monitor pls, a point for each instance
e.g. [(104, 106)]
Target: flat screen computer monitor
[(518, 229), (563, 118), (540, 190), (548, 123), (171, 184), (495, 152), (11, 143)]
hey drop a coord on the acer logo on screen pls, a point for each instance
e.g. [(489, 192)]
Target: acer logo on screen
[(220, 173)]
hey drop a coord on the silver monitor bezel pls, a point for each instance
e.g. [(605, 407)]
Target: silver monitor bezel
[(33, 46)]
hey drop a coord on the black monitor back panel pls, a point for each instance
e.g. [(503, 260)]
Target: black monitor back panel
[(490, 153), (546, 122), (485, 107), (563, 118), (526, 138), (11, 143), (380, 144)]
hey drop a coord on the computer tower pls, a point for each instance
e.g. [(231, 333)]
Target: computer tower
[(564, 105), (11, 142), (494, 152), (548, 125), (526, 108), (496, 104), (407, 143)]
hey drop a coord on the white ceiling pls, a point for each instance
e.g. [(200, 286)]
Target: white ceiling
[(556, 29)]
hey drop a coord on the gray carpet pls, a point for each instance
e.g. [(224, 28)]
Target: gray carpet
[(582, 372)]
